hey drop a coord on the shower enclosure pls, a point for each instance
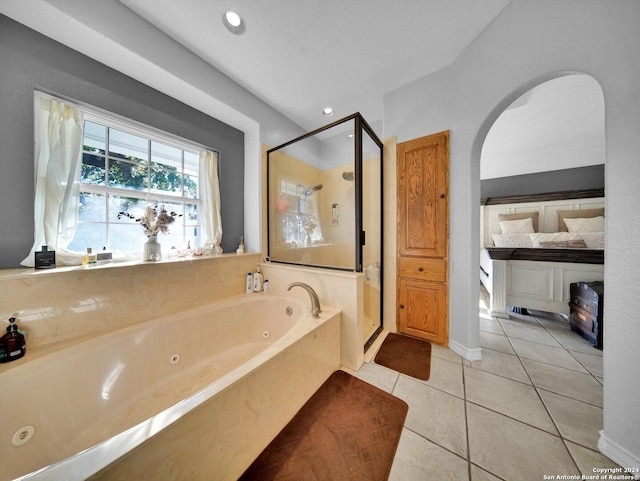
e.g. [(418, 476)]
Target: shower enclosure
[(324, 193)]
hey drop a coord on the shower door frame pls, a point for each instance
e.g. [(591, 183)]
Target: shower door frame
[(360, 125)]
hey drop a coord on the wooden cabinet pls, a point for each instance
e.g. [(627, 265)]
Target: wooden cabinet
[(423, 237), (586, 307)]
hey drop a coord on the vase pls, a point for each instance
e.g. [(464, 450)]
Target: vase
[(152, 250)]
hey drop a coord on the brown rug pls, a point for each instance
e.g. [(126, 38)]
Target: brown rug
[(348, 430), (405, 354)]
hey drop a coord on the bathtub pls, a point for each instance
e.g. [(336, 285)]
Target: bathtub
[(238, 368)]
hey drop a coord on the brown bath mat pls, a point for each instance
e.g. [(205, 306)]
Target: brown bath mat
[(405, 354), (348, 430)]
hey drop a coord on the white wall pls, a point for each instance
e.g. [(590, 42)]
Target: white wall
[(556, 125), (528, 43), (109, 33)]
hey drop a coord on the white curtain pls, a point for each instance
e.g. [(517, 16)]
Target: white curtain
[(210, 198), (58, 180)]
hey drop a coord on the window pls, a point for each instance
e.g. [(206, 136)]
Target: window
[(92, 165), (124, 170), (300, 223)]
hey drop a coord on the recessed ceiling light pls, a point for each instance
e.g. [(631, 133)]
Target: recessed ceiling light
[(327, 111), (234, 22)]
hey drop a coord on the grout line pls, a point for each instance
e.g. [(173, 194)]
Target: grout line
[(466, 422)]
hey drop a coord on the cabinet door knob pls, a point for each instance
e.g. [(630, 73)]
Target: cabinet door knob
[(401, 306), (420, 269), (442, 196)]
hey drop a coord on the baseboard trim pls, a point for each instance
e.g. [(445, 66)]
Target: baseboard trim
[(468, 354), (617, 453)]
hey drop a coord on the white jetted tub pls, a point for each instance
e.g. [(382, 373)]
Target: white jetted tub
[(69, 413)]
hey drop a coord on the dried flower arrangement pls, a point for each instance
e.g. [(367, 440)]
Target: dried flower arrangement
[(153, 222)]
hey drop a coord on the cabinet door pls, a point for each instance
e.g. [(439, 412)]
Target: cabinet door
[(423, 237), (423, 191), (422, 308)]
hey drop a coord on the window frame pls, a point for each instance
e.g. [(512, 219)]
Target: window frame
[(151, 134)]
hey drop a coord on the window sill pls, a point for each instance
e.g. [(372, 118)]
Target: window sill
[(29, 272)]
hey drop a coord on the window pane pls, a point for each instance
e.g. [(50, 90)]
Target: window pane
[(191, 163), (128, 146), (176, 209), (126, 237), (191, 187), (93, 170), (191, 214), (128, 176), (94, 135), (89, 235), (165, 181), (169, 157), (131, 205), (93, 207), (192, 233)]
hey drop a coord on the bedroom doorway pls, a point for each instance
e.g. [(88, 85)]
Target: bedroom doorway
[(549, 140)]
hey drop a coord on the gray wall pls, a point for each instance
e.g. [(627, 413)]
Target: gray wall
[(28, 61), (591, 177)]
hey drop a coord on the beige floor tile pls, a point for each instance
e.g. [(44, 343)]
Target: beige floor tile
[(556, 356), (488, 325), (574, 342), (541, 336), (552, 322), (418, 459), (587, 460), (446, 376), (445, 353), (522, 321), (512, 450), (495, 342), (377, 375), (479, 474), (582, 387), (577, 421), (591, 362), (511, 398), (434, 414), (501, 364)]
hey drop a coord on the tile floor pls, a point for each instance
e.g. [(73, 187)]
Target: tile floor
[(531, 407)]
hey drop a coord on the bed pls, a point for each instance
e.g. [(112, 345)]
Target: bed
[(533, 270)]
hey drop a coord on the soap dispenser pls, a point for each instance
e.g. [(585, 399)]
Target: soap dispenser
[(257, 280), (12, 344)]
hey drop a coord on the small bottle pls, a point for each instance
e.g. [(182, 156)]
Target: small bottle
[(45, 259), (240, 249), (249, 282), (104, 257), (89, 259), (265, 285), (12, 344), (257, 280)]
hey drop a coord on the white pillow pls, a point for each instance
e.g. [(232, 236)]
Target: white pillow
[(539, 237), (587, 224), (594, 240), (511, 240), (520, 226)]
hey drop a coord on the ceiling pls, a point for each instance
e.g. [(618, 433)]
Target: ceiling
[(300, 56)]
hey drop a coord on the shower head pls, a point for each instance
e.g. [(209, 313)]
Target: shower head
[(311, 189), (347, 176)]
